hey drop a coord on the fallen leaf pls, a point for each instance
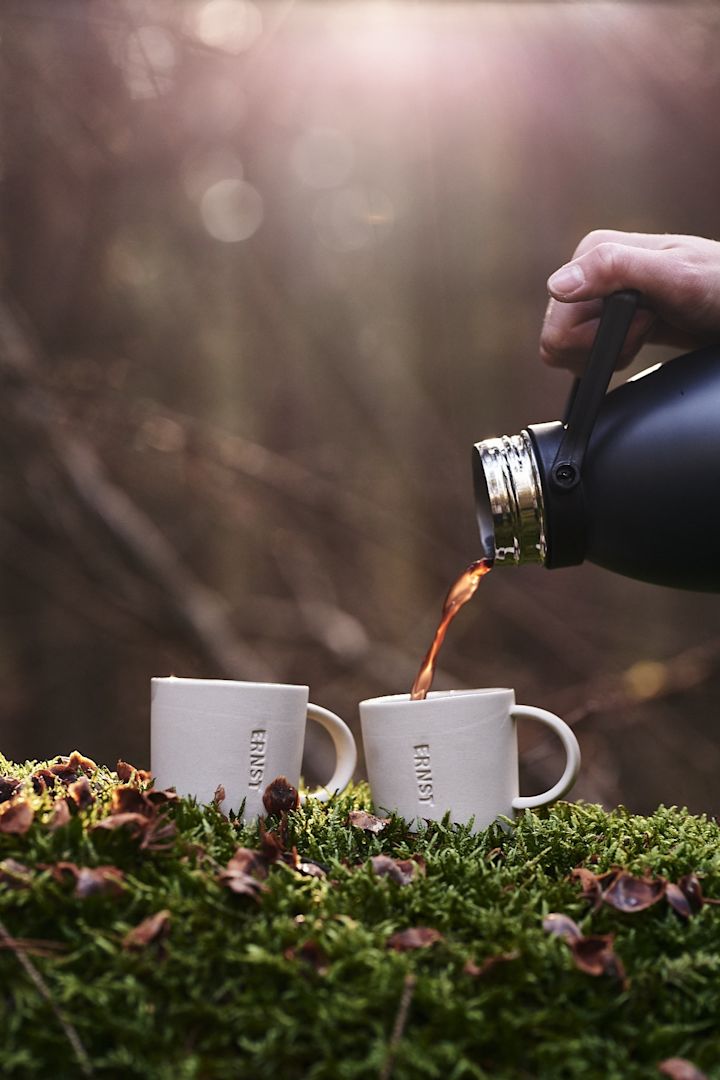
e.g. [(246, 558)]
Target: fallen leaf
[(81, 793), (629, 894), (154, 928), (247, 861), (309, 868), (158, 798), (129, 800), (416, 937), (43, 780), (271, 845), (595, 956), (14, 874), (562, 926), (360, 819), (60, 815), (16, 816), (243, 884), (79, 761), (680, 1069), (280, 796), (691, 887), (401, 871), (63, 773), (677, 900), (8, 787), (594, 885), (91, 881), (127, 773), (137, 823), (310, 953), (478, 970), (219, 795), (159, 835)]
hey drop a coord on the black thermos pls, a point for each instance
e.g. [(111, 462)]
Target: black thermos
[(631, 479)]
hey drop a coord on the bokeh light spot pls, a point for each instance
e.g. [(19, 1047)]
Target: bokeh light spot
[(231, 210), (231, 25)]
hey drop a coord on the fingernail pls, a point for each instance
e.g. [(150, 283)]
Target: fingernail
[(566, 280)]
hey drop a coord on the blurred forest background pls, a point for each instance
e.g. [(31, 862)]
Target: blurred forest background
[(268, 271)]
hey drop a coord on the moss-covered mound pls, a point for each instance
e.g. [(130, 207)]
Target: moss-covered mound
[(167, 962)]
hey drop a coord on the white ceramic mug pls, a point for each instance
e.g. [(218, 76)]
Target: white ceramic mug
[(241, 735), (454, 751)]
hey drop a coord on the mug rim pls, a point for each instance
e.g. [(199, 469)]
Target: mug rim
[(179, 680), (435, 695)]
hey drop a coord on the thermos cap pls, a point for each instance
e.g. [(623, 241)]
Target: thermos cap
[(509, 500)]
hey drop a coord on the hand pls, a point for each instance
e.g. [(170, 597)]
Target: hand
[(679, 277)]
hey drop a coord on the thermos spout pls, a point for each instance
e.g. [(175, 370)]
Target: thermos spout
[(509, 500)]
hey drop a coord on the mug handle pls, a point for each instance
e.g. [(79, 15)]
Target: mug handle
[(345, 751), (572, 751)]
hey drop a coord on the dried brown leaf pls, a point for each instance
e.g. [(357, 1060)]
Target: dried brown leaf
[(311, 953), (271, 845), (247, 861), (595, 955), (79, 761), (43, 780), (136, 823), (490, 962), (360, 819), (692, 890), (9, 786), (16, 816), (14, 874), (129, 800), (680, 1069), (130, 774), (280, 796), (416, 937), (81, 793), (242, 884), (562, 926), (63, 772), (219, 795), (155, 928), (60, 815), (160, 797), (90, 881), (594, 885), (630, 894), (691, 887), (159, 835), (677, 900), (401, 871), (309, 868)]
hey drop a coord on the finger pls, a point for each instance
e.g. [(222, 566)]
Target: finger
[(656, 241), (666, 277), (569, 331)]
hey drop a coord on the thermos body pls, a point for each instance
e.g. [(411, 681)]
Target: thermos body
[(647, 504)]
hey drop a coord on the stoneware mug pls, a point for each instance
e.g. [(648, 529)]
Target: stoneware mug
[(455, 751), (241, 735)]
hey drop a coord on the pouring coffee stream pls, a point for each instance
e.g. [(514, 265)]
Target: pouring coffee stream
[(462, 590)]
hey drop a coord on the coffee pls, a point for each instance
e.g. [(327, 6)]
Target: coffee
[(460, 592)]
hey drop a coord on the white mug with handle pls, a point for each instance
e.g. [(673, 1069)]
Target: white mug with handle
[(211, 733), (455, 751)]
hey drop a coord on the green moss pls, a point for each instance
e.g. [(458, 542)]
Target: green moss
[(227, 996)]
